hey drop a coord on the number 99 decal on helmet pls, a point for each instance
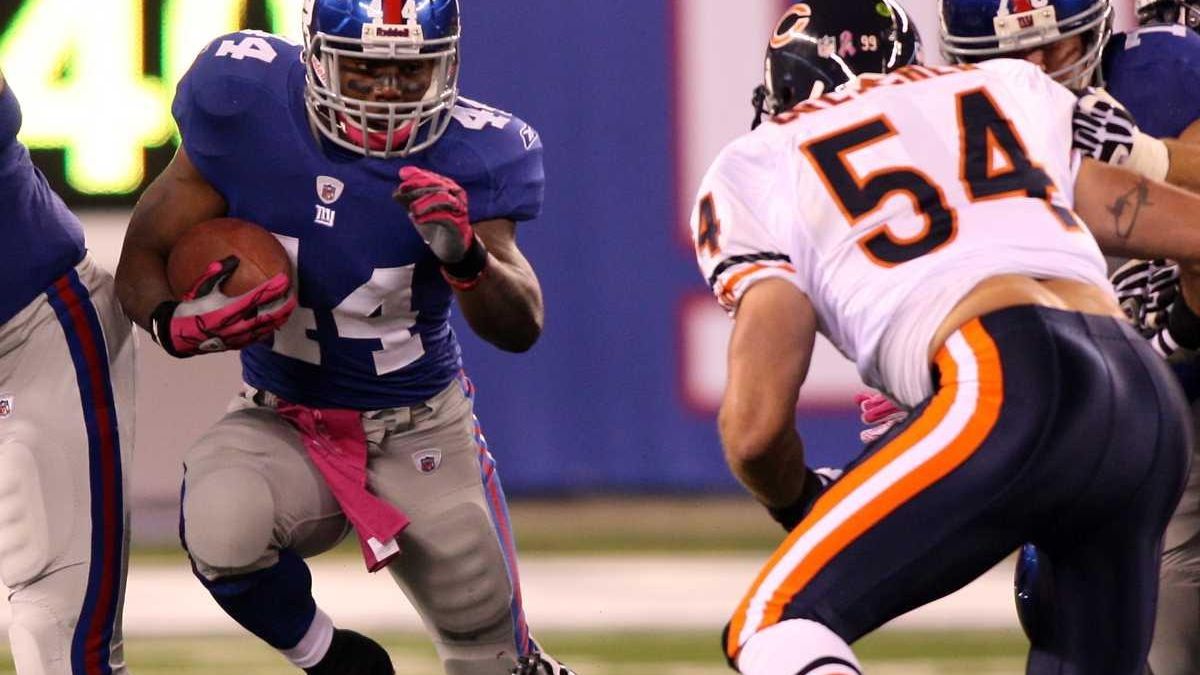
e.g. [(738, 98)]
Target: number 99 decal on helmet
[(975, 30), (381, 75), (819, 46)]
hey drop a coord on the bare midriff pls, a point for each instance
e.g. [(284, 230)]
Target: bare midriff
[(1013, 290)]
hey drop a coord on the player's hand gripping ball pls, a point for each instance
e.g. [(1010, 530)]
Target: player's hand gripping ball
[(232, 279)]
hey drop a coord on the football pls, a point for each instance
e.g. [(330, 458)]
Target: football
[(260, 253)]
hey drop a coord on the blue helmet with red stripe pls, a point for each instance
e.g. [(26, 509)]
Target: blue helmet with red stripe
[(382, 75), (974, 30)]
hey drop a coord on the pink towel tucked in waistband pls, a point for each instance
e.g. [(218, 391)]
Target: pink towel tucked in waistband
[(337, 445)]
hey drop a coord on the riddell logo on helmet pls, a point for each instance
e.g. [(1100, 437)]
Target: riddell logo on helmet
[(790, 30), (381, 32), (389, 31)]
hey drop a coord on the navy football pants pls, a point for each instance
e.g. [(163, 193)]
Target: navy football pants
[(1047, 426)]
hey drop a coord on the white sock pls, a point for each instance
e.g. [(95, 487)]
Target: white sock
[(315, 643), (797, 647)]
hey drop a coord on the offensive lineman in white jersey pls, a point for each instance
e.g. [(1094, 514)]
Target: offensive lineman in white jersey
[(924, 222)]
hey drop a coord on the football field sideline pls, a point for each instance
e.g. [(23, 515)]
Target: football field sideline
[(560, 593)]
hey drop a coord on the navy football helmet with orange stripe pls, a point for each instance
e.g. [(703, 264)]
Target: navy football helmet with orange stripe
[(820, 45), (974, 30), (363, 58)]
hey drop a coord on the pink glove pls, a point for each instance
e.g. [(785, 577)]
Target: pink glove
[(879, 413), (209, 321), (437, 207)]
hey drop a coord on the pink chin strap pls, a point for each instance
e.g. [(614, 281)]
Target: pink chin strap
[(374, 140)]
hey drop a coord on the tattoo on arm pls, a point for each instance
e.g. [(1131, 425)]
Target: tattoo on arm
[(1128, 207)]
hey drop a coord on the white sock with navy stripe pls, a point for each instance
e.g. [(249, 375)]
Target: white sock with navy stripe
[(797, 647)]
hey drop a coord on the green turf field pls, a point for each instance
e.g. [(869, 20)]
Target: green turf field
[(600, 526), (888, 653)]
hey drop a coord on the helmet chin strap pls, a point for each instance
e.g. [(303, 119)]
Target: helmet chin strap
[(759, 101)]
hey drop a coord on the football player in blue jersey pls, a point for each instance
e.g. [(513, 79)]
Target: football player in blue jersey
[(394, 196), (66, 427)]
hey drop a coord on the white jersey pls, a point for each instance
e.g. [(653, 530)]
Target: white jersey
[(887, 204)]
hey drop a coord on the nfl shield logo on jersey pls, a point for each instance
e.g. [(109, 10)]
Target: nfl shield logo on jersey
[(428, 461), (6, 405), (329, 190)]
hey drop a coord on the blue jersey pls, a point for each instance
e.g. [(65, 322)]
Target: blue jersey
[(42, 239), (372, 327), (1155, 72)]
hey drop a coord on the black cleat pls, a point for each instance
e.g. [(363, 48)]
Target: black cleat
[(353, 653), (540, 664)]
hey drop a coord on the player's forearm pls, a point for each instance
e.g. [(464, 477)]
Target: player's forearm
[(1135, 217), (505, 307), (774, 472), (141, 282), (769, 354)]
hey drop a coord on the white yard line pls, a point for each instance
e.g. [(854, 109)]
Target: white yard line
[(560, 593)]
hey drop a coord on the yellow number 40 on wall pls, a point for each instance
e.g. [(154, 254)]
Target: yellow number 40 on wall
[(77, 68)]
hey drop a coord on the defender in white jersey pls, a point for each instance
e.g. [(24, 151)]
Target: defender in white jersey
[(926, 222)]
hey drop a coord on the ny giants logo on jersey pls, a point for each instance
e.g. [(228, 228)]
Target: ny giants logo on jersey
[(1015, 16), (329, 190)]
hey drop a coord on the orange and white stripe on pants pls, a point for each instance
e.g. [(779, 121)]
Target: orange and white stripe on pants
[(955, 424)]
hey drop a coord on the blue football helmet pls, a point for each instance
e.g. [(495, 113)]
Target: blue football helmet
[(397, 31), (1168, 11), (975, 30), (819, 46)]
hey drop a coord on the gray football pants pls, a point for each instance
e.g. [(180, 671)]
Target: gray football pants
[(250, 490), (66, 431), (1176, 647)]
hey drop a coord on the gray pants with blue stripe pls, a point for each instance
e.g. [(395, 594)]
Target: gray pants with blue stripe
[(66, 431), (251, 490)]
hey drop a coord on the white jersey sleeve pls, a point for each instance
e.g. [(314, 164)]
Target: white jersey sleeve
[(737, 243)]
